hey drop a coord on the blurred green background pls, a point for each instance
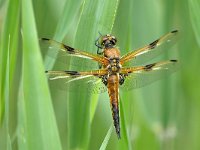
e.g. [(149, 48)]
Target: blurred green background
[(35, 115)]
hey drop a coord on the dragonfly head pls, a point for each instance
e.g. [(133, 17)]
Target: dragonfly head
[(108, 41)]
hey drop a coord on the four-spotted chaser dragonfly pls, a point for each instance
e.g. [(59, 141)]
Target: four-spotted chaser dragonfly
[(114, 71)]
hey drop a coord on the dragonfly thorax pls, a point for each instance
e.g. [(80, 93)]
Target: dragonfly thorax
[(114, 66)]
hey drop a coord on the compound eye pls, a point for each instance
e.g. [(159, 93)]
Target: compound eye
[(115, 39), (104, 40)]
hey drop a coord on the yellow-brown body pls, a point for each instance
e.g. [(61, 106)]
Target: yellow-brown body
[(113, 91), (113, 55)]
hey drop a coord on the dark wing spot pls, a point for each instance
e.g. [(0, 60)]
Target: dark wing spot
[(45, 39), (46, 71), (72, 72), (153, 44), (174, 60), (149, 67), (174, 31), (69, 49)]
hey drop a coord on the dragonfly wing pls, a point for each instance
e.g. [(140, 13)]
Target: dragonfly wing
[(145, 54), (140, 76), (73, 81), (70, 56)]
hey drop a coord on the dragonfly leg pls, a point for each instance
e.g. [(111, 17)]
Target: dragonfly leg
[(122, 78), (104, 79), (98, 45)]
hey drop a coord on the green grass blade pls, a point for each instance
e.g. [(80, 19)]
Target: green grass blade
[(106, 139), (2, 2), (9, 144), (70, 15), (8, 51), (22, 134), (8, 56), (40, 124), (140, 30), (189, 52), (124, 142), (194, 7)]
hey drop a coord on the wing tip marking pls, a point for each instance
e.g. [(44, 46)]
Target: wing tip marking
[(45, 39), (69, 49), (174, 60), (149, 67), (174, 31), (72, 72), (153, 44)]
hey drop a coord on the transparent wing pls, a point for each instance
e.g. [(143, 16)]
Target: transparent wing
[(70, 56), (73, 81), (145, 54), (140, 76)]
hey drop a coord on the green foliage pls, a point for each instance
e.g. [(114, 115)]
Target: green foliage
[(194, 7), (39, 124), (163, 115)]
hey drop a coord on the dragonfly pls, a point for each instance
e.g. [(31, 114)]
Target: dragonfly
[(113, 71)]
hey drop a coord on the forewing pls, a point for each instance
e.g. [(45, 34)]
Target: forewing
[(141, 76), (145, 54), (70, 56)]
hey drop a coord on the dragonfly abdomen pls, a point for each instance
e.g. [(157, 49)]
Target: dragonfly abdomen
[(113, 91)]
